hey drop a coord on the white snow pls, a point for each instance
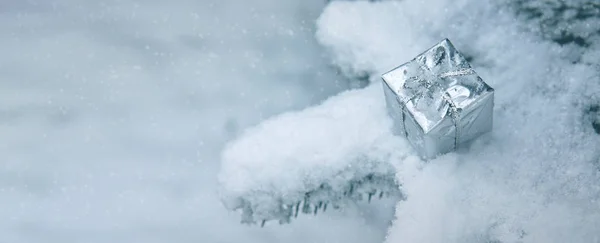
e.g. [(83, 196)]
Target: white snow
[(296, 138), (533, 179), (345, 138)]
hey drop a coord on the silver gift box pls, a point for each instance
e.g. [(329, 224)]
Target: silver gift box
[(438, 101)]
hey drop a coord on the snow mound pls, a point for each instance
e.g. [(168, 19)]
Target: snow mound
[(535, 178), (306, 160)]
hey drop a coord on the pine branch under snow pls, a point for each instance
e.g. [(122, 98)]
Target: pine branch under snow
[(310, 160)]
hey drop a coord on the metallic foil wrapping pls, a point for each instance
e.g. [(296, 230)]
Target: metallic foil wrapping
[(438, 101)]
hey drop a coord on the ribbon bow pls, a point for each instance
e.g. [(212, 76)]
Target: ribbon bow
[(429, 90)]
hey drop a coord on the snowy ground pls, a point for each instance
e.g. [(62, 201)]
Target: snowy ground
[(114, 113)]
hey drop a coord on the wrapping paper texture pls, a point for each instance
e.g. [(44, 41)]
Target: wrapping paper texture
[(437, 101)]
